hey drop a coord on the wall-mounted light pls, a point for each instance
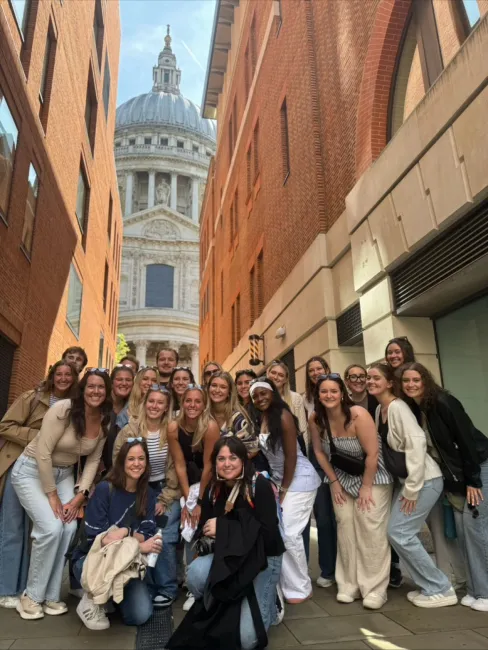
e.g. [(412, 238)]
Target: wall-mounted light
[(280, 332)]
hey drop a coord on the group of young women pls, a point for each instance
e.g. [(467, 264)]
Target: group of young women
[(374, 454)]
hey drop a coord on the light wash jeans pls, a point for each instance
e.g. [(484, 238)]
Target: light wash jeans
[(14, 542), (50, 536), (473, 539), (264, 584), (162, 579), (403, 531)]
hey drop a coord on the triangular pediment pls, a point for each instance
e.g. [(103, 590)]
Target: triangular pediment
[(161, 223)]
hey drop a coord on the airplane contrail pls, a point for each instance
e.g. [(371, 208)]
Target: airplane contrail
[(193, 56)]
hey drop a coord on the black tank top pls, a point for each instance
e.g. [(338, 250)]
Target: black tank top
[(193, 458)]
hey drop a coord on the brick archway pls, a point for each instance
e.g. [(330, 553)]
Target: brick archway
[(379, 67)]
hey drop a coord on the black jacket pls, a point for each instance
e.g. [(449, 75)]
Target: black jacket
[(460, 444), (213, 623)]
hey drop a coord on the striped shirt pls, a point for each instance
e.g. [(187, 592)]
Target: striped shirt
[(352, 447), (158, 456), (53, 399)]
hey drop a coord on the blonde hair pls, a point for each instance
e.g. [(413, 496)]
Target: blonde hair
[(136, 398), (203, 420), (286, 386), (232, 405), (142, 418)]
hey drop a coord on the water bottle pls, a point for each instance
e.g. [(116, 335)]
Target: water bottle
[(152, 558)]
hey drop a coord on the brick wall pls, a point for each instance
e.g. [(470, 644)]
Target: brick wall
[(33, 292)]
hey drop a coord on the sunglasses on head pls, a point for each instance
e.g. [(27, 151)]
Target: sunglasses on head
[(131, 441), (161, 389), (210, 372), (195, 387), (330, 375), (148, 368), (185, 368), (123, 365), (90, 371)]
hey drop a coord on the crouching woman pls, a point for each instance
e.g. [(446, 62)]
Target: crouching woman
[(123, 500), (235, 577)]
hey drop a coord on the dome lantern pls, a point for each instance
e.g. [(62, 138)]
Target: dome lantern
[(167, 75)]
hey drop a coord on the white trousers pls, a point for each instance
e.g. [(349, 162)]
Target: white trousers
[(295, 581)]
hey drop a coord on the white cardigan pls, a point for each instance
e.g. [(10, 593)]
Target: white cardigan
[(404, 434)]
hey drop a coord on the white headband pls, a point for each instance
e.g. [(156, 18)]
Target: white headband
[(259, 384)]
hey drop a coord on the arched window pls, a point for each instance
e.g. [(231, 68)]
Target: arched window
[(159, 286)]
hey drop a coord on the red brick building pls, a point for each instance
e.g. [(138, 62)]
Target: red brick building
[(351, 150), (60, 220)]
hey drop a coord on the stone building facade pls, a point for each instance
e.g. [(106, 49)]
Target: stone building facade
[(162, 151), (60, 219), (347, 203)]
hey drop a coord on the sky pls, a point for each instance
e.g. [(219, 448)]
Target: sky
[(143, 31)]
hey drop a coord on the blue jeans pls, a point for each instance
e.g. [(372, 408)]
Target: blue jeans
[(473, 535), (403, 531), (14, 542), (50, 536), (163, 578), (136, 607), (264, 584)]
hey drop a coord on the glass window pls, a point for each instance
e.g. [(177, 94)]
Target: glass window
[(100, 351), (106, 86), (147, 140), (166, 77), (8, 146), (20, 12), (463, 354), (132, 141), (195, 148), (472, 11), (159, 286), (164, 142), (81, 200), (30, 210), (75, 295), (180, 144)]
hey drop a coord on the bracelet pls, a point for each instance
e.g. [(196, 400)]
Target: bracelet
[(282, 489), (199, 501), (330, 482)]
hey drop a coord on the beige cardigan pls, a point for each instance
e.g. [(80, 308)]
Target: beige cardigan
[(404, 434)]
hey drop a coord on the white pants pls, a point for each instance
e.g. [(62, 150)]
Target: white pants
[(295, 581)]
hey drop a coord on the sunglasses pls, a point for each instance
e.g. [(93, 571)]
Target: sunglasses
[(186, 368), (90, 371), (123, 365), (331, 375), (207, 373), (131, 441), (195, 387)]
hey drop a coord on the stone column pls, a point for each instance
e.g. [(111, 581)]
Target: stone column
[(194, 199), (195, 362), (174, 191), (150, 188), (141, 349), (129, 186)]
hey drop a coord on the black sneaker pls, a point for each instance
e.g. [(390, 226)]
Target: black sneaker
[(396, 578), (162, 601)]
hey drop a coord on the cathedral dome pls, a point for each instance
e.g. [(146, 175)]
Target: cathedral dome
[(164, 108)]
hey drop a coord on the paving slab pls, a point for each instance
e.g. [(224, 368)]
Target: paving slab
[(456, 640), (326, 599), (280, 638), (14, 627), (482, 630), (308, 609), (6, 643), (108, 642), (343, 628), (420, 621)]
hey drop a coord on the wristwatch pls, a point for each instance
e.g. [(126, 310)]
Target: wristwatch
[(199, 501)]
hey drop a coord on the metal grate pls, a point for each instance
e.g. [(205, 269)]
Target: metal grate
[(154, 634), (7, 350), (452, 251), (350, 326)]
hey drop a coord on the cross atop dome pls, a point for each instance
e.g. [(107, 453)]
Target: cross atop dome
[(167, 75)]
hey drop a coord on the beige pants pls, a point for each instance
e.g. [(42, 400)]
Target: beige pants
[(363, 551)]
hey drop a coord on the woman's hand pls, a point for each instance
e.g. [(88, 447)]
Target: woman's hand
[(72, 508), (115, 536), (152, 545), (365, 499), (407, 506), (159, 509), (474, 496), (185, 516), (210, 527), (195, 516), (56, 505), (338, 493)]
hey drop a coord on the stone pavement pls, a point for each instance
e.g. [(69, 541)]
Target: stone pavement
[(319, 624)]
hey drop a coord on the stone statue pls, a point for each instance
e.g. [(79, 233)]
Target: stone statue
[(161, 229), (163, 191)]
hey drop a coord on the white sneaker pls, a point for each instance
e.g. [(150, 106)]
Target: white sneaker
[(480, 605), (412, 595), (436, 600), (280, 606), (54, 607), (9, 602), (325, 582), (344, 598), (92, 615), (29, 609), (188, 604), (374, 601), (468, 600)]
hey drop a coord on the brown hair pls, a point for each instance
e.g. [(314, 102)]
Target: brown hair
[(389, 374), (432, 390), (47, 385), (118, 478)]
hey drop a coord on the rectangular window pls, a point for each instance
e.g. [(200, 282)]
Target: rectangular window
[(231, 138), (233, 319), (147, 140), (247, 71), (159, 286), (21, 10), (255, 146), (8, 146), (47, 76), (132, 141), (82, 199), (221, 292), (75, 296), (180, 144), (249, 171), (106, 87), (30, 210), (252, 297), (195, 148), (260, 285), (253, 46), (164, 142), (100, 351), (98, 30), (236, 213), (285, 145), (105, 287), (238, 319), (91, 109), (166, 77), (231, 224), (110, 216)]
